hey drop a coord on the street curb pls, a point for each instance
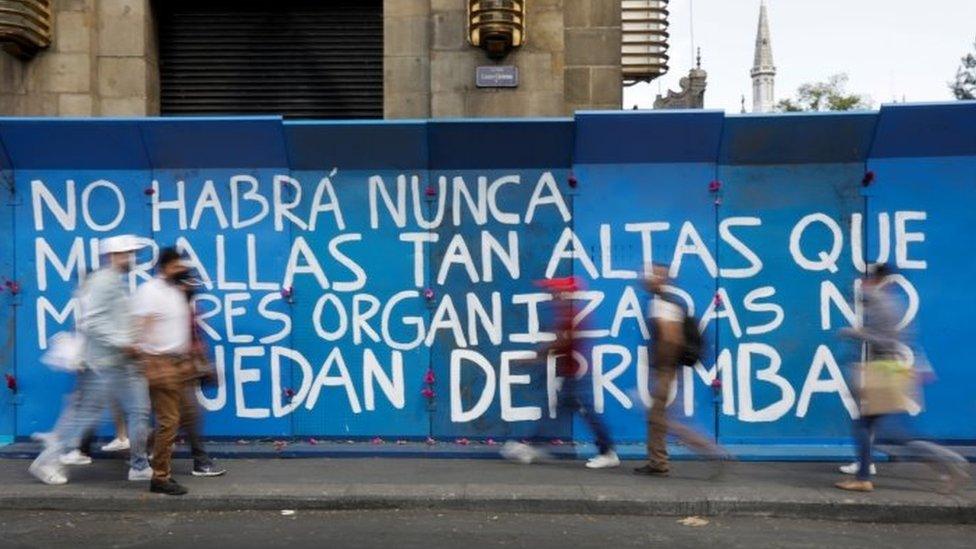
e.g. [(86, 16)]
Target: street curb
[(961, 513)]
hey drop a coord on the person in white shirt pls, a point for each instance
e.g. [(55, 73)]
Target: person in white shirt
[(668, 344), (163, 318)]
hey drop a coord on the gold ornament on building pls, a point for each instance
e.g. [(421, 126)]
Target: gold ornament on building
[(644, 39), (497, 26), (25, 26)]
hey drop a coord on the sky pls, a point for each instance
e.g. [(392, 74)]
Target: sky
[(892, 50)]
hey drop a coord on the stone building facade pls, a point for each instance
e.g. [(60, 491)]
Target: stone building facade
[(103, 61)]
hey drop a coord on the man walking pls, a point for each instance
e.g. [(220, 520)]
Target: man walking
[(163, 317), (667, 345), (109, 373), (199, 369)]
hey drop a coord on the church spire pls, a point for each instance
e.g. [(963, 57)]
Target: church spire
[(763, 70)]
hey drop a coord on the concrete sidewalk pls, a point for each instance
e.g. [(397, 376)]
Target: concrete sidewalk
[(904, 491)]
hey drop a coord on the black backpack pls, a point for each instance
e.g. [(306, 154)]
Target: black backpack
[(694, 342)]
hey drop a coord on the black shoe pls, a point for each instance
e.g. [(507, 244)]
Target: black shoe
[(169, 487), (651, 470), (207, 470)]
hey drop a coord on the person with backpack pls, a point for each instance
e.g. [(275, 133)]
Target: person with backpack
[(675, 341)]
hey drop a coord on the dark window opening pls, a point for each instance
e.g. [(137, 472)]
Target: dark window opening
[(297, 58)]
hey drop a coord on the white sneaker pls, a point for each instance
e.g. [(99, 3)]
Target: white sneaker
[(48, 473), (851, 469), (604, 461), (74, 457), (519, 452), (117, 445), (140, 474)]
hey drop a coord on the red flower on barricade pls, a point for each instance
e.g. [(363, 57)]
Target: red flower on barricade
[(427, 392), (429, 377), (868, 178), (11, 382)]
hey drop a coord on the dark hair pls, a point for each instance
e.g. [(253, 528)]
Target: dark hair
[(167, 256), (879, 270)]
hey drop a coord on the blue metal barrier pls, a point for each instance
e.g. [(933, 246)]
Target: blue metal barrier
[(376, 278)]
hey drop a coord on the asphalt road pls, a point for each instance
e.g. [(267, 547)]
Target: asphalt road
[(428, 530)]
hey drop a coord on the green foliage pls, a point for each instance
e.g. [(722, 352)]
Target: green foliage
[(964, 86), (825, 96)]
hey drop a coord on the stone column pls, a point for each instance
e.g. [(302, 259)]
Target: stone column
[(126, 59), (406, 58), (453, 62), (59, 78), (593, 72), (102, 62)]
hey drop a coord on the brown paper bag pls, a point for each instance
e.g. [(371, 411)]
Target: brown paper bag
[(887, 387)]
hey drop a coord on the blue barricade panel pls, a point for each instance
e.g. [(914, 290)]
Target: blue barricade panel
[(358, 327), (343, 261), (918, 220), (797, 138), (493, 241), (233, 143), (8, 326), (646, 200), (926, 130)]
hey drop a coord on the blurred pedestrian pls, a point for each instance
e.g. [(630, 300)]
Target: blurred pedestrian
[(887, 387), (109, 372), (575, 392), (675, 341), (163, 317)]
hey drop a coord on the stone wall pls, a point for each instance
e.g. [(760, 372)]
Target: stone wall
[(102, 62), (570, 61)]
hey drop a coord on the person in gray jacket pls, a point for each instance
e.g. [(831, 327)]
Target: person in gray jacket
[(110, 372)]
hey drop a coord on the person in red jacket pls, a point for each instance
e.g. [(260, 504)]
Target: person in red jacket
[(573, 397)]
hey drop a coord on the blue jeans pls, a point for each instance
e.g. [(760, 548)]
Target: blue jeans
[(94, 391), (890, 428), (573, 398)]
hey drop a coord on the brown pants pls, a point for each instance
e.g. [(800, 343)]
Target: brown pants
[(658, 424), (165, 392), (189, 424)]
